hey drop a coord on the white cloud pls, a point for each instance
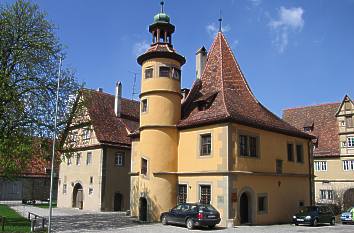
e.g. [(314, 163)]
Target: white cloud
[(140, 47), (212, 29), (289, 20)]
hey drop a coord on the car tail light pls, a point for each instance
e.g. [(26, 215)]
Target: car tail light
[(200, 216)]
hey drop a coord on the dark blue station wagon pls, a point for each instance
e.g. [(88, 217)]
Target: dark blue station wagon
[(191, 215)]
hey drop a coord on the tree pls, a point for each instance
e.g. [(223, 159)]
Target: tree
[(29, 55)]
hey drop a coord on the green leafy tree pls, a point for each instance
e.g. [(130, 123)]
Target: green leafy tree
[(29, 57)]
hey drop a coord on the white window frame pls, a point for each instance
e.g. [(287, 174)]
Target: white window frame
[(321, 165), (350, 141), (348, 165), (88, 161), (119, 159)]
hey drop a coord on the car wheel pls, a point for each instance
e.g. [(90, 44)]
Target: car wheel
[(164, 220), (211, 226), (190, 224), (333, 222), (296, 224), (315, 222)]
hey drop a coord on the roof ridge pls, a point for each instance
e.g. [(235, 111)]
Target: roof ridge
[(309, 106), (221, 75), (105, 93)]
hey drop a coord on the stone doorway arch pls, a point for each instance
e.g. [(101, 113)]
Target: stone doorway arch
[(348, 198), (78, 196)]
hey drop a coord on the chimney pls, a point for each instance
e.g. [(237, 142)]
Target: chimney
[(201, 57), (100, 89), (118, 99)]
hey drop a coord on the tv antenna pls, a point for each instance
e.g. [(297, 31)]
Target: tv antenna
[(134, 92)]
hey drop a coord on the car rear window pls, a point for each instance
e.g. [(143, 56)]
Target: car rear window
[(309, 209), (206, 208)]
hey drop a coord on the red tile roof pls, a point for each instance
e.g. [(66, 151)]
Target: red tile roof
[(230, 97), (325, 128), (108, 127), (159, 50)]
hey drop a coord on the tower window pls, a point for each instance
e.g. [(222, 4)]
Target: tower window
[(144, 166), (176, 73), (149, 72), (165, 71), (144, 105)]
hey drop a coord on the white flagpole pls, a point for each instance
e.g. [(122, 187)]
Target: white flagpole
[(53, 151)]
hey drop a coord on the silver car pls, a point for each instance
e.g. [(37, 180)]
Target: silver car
[(346, 217)]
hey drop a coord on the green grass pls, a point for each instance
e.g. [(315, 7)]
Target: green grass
[(14, 222), (45, 205)]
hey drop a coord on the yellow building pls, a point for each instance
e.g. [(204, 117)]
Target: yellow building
[(333, 126), (214, 143), (93, 174)]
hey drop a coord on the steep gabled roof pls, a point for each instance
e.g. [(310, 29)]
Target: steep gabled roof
[(234, 100), (325, 126), (108, 127), (345, 99)]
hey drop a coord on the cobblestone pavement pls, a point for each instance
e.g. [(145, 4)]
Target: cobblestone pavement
[(73, 220), (286, 228)]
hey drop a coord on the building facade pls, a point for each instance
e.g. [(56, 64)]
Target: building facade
[(31, 184), (96, 152), (333, 126), (214, 143)]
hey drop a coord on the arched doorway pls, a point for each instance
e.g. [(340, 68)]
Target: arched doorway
[(245, 209), (142, 209), (118, 202), (348, 198), (78, 200)]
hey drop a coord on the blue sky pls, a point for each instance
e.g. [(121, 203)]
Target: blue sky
[(292, 53)]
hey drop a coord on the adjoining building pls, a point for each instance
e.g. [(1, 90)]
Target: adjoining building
[(333, 126), (215, 143), (32, 184), (96, 152)]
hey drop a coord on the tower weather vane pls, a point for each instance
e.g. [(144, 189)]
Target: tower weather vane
[(220, 21), (162, 3)]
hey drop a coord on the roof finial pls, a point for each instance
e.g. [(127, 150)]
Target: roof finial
[(162, 3), (220, 21)]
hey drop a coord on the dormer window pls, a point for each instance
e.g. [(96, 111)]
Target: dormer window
[(308, 126), (165, 71)]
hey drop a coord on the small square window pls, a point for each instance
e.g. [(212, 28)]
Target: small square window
[(119, 159), (144, 105), (86, 134), (78, 159), (88, 158), (262, 203), (299, 153), (68, 161), (205, 194), (279, 166), (144, 166), (290, 148), (205, 144), (149, 72), (165, 71)]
